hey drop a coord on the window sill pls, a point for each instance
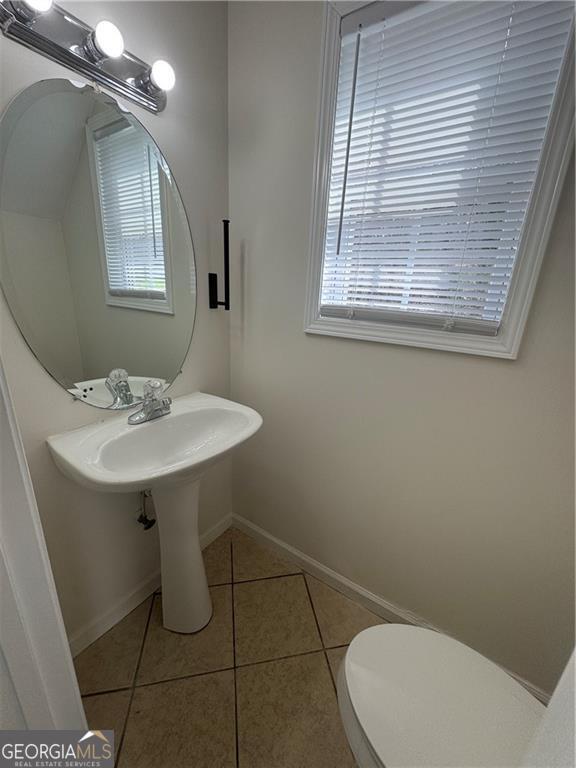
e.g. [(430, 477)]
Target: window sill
[(502, 345), (146, 305)]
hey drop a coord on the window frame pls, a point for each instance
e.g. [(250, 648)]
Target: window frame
[(163, 306), (556, 154)]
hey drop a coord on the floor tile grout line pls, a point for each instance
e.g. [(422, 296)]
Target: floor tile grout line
[(250, 581), (133, 686), (143, 643), (330, 672), (232, 594), (279, 658), (314, 613), (345, 595), (234, 654), (106, 691), (324, 650), (176, 679), (269, 578)]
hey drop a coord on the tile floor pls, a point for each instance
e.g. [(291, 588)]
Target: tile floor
[(253, 689)]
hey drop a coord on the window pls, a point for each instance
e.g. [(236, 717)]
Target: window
[(130, 202), (445, 133)]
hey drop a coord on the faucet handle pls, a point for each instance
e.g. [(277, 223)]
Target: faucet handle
[(153, 404), (153, 389), (117, 375)]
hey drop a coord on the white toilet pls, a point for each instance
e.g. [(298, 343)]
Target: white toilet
[(411, 697)]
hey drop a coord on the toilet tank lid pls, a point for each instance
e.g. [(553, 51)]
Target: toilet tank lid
[(425, 699)]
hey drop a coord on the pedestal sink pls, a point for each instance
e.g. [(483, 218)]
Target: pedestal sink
[(168, 456)]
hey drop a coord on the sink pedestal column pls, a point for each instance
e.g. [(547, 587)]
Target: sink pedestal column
[(186, 603)]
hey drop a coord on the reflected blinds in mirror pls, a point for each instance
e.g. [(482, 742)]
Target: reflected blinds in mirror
[(440, 122), (129, 190)]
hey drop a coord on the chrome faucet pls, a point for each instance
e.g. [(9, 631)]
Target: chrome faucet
[(153, 405), (118, 386)]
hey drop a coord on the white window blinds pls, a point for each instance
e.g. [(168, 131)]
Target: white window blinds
[(440, 121), (128, 178)]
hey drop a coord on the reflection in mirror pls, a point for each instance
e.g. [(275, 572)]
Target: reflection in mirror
[(96, 257)]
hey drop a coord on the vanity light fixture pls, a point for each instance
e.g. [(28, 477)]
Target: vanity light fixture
[(96, 54), (162, 75), (104, 42)]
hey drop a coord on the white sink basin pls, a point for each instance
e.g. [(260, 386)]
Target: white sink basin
[(115, 456), (168, 455)]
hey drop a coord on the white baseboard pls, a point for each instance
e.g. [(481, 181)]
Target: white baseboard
[(369, 600), (217, 530), (95, 628), (378, 605)]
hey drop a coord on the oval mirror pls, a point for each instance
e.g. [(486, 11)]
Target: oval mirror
[(96, 256)]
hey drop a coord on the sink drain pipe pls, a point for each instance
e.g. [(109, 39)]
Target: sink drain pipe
[(143, 519)]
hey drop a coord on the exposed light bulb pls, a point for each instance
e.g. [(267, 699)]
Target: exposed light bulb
[(40, 6), (108, 39), (162, 75), (28, 11)]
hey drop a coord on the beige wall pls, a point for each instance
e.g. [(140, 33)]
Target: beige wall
[(99, 553), (441, 482)]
